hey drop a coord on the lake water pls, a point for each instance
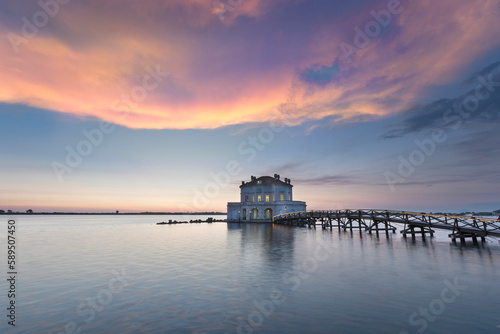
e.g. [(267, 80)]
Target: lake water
[(125, 274)]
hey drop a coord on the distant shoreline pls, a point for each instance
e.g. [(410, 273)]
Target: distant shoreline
[(475, 214), (113, 213)]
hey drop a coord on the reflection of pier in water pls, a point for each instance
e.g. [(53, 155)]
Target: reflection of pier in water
[(383, 220)]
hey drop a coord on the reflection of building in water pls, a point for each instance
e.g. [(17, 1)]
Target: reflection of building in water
[(262, 198), (264, 249)]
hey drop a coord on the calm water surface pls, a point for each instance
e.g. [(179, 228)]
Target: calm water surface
[(125, 274)]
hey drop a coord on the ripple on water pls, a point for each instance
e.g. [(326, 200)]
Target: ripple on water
[(208, 278)]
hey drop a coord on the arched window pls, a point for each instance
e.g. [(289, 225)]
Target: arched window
[(244, 214)]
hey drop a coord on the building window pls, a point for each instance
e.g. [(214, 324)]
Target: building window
[(255, 213), (267, 198), (246, 198), (282, 197), (259, 198), (273, 198), (253, 198)]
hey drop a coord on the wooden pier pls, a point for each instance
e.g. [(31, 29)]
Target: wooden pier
[(383, 221)]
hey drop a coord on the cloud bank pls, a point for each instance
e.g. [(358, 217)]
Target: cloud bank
[(181, 64)]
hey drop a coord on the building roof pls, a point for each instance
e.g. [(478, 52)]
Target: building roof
[(266, 180)]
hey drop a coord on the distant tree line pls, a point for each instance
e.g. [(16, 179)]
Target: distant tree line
[(30, 211), (10, 211)]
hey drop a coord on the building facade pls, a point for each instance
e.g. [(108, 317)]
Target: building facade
[(262, 198)]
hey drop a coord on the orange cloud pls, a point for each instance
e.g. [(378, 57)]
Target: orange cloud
[(98, 59)]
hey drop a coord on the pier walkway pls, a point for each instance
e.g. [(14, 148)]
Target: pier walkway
[(461, 227)]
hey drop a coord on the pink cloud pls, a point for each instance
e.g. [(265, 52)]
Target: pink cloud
[(93, 54)]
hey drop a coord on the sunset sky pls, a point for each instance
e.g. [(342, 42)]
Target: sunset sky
[(168, 105)]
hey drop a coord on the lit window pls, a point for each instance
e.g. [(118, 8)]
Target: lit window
[(273, 198), (267, 198), (282, 197), (253, 198), (259, 198)]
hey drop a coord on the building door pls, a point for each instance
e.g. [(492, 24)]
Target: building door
[(268, 213), (244, 216), (255, 214)]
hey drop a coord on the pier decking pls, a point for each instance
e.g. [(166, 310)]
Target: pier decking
[(384, 220)]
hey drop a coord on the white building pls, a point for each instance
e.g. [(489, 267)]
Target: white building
[(262, 198)]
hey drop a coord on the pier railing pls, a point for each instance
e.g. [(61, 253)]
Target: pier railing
[(383, 220)]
